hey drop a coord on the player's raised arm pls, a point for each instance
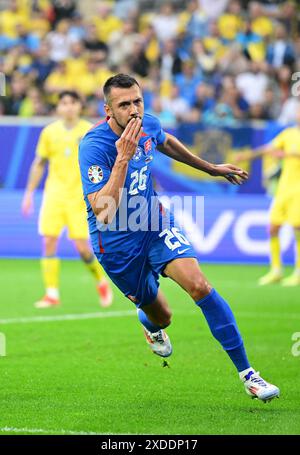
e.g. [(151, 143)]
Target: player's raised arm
[(112, 191), (251, 155), (173, 148), (35, 175)]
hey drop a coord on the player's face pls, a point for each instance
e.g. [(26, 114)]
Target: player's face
[(69, 108), (125, 104)]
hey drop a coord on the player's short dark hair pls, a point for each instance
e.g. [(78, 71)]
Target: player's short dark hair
[(120, 81), (72, 93)]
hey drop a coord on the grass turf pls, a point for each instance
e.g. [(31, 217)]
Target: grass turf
[(98, 375)]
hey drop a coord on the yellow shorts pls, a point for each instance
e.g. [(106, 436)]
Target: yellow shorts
[(55, 215), (286, 209)]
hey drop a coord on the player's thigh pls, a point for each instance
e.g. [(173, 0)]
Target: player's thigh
[(293, 211), (76, 221), (52, 218), (171, 254), (158, 311), (186, 272), (83, 248), (278, 213), (132, 275)]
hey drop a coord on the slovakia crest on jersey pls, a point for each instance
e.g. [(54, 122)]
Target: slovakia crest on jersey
[(148, 146), (95, 174), (138, 154)]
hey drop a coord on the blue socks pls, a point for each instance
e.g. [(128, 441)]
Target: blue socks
[(146, 322), (223, 326)]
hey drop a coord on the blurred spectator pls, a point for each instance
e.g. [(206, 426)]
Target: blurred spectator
[(176, 104), (169, 60), (213, 9), (205, 62), (60, 41), (252, 84), (233, 98), (33, 104), (122, 42), (222, 61), (260, 22), (230, 23), (152, 48), (29, 41), (283, 79), (105, 21), (42, 65), (220, 116), (63, 9), (194, 23), (251, 43), (280, 51), (125, 9), (161, 111), (187, 82), (57, 81), (138, 62), (91, 40), (18, 88), (10, 18), (76, 63), (289, 110), (77, 29), (166, 22)]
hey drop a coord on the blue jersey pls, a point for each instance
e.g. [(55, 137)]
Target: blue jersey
[(97, 155)]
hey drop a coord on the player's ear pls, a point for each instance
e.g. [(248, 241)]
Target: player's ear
[(108, 110)]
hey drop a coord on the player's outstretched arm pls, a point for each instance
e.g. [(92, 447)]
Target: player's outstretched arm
[(106, 201), (35, 175), (173, 148), (251, 155)]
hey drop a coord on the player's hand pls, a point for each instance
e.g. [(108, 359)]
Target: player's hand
[(27, 204), (128, 142), (230, 172)]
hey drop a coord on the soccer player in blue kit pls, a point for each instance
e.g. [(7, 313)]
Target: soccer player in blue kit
[(115, 160)]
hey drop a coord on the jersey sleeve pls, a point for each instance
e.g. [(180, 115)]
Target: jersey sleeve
[(161, 135), (42, 149), (94, 167), (157, 129), (280, 140)]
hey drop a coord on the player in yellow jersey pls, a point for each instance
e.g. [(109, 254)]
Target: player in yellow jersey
[(286, 205), (63, 204)]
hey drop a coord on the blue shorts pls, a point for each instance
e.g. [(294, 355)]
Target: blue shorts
[(136, 273)]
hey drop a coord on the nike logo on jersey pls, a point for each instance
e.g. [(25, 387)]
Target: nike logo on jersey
[(182, 251)]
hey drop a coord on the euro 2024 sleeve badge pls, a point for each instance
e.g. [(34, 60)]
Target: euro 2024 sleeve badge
[(95, 174)]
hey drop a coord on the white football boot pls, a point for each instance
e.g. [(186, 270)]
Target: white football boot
[(159, 342), (257, 387)]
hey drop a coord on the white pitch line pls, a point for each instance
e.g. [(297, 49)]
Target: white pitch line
[(40, 430), (116, 314), (68, 317)]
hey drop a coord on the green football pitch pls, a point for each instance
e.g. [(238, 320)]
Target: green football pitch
[(81, 369)]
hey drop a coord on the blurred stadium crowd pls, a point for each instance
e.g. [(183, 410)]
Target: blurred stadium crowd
[(218, 61)]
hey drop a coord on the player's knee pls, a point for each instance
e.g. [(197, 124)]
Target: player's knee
[(199, 288), (274, 230), (83, 250), (50, 245)]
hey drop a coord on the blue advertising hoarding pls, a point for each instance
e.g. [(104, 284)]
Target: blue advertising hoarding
[(230, 229)]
